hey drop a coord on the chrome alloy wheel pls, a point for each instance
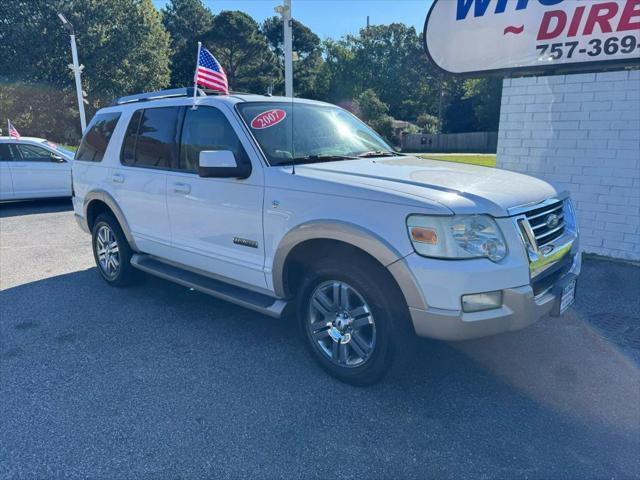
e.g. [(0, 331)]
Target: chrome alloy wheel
[(341, 324), (107, 251)]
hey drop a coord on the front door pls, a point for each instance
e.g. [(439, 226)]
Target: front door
[(216, 223), (38, 172)]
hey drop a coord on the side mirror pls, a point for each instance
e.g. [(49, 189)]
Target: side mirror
[(57, 158), (221, 164)]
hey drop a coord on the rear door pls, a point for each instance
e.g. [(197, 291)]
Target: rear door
[(6, 185), (139, 183), (39, 172)]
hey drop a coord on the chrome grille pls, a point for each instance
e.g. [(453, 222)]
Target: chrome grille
[(542, 221)]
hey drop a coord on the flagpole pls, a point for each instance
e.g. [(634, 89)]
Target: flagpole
[(195, 77)]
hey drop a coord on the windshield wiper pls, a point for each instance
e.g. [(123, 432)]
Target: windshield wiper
[(378, 153), (322, 158)]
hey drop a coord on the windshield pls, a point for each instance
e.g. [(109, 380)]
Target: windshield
[(307, 133), (60, 149)]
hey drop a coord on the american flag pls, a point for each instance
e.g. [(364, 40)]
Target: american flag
[(12, 130), (210, 73)]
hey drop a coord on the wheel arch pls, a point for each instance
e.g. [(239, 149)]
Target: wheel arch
[(314, 233), (100, 201)]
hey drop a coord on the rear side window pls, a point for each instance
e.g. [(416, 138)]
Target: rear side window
[(95, 141), (152, 138), (130, 138), (5, 152), (207, 129)]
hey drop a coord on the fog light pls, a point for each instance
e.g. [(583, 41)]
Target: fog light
[(478, 302)]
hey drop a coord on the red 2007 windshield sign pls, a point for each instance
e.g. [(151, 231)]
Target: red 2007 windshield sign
[(268, 119), (481, 36)]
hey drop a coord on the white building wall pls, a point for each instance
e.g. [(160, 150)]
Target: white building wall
[(582, 132)]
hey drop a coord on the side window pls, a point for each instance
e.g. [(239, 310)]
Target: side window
[(207, 129), (5, 153), (31, 153), (130, 138), (153, 143), (95, 141)]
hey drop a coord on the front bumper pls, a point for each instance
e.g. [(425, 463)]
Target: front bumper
[(520, 308)]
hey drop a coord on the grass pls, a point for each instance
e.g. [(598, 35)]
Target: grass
[(485, 160), (73, 148)]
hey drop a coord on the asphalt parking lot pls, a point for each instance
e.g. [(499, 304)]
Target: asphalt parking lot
[(157, 381)]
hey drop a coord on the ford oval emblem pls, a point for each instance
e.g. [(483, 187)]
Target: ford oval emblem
[(552, 221)]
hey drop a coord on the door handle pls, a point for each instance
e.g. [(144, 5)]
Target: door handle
[(117, 178), (184, 188)]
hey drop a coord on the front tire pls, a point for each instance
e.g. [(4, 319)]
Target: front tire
[(352, 319), (112, 252)]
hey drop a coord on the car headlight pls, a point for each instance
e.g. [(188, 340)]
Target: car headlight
[(457, 237)]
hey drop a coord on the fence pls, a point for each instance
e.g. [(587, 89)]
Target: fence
[(472, 142)]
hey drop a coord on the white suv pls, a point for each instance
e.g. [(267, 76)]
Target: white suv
[(271, 203)]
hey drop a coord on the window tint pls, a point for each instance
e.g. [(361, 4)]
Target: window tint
[(207, 129), (130, 137), (5, 152), (95, 141), (155, 144), (31, 153)]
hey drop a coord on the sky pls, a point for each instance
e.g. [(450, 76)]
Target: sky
[(332, 18)]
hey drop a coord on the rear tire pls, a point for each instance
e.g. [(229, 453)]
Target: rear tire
[(353, 319), (112, 252)]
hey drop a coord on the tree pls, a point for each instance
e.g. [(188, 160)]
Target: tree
[(187, 21), (486, 97), (121, 43), (375, 112), (388, 59), (236, 41), (308, 80)]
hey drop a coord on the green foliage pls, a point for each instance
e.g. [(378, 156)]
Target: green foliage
[(375, 112), (485, 95), (428, 123), (40, 111), (308, 81), (121, 43), (390, 60), (237, 42), (187, 21), (127, 46), (371, 107)]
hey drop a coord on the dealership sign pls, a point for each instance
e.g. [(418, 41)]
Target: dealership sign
[(501, 36)]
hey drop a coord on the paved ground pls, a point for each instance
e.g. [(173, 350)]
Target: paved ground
[(160, 382)]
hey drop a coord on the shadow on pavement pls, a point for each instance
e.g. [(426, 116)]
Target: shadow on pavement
[(31, 207), (163, 381)]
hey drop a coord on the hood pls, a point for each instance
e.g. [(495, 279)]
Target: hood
[(460, 187)]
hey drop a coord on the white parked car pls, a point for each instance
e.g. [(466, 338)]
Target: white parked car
[(33, 168), (363, 244)]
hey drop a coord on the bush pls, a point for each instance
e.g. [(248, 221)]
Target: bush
[(428, 123)]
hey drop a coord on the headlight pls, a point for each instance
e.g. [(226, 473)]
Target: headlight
[(459, 236)]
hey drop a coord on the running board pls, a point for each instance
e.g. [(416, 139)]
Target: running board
[(258, 302)]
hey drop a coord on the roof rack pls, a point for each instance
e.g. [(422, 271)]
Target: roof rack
[(148, 96), (171, 93)]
